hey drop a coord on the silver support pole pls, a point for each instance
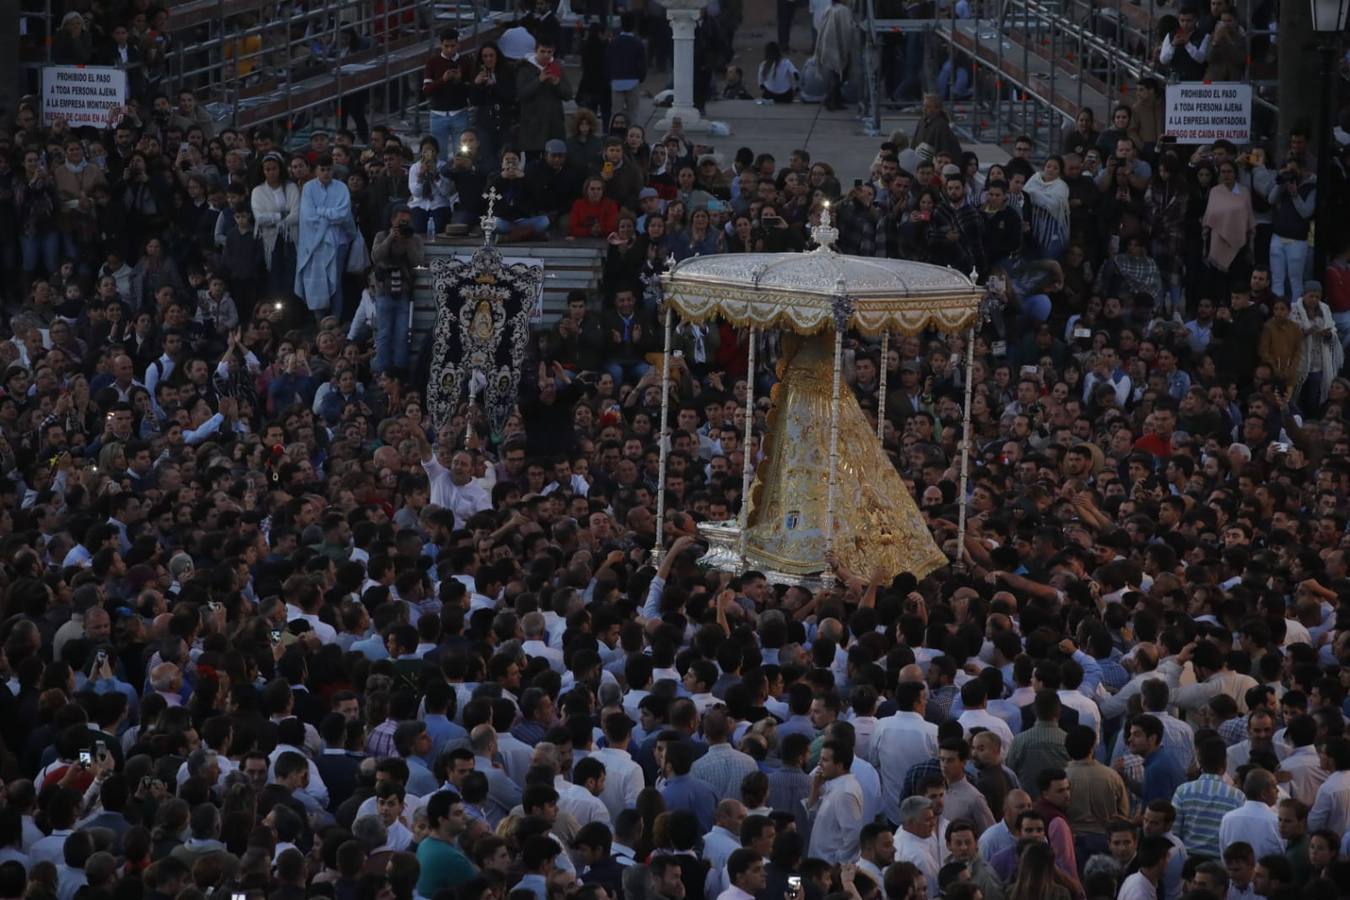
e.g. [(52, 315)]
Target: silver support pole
[(747, 466), (834, 449), (664, 446), (965, 446), (881, 385)]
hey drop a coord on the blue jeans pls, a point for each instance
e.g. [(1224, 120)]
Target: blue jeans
[(629, 371), (1288, 259), (539, 224), (391, 332), (447, 128), (1342, 320), (43, 248)]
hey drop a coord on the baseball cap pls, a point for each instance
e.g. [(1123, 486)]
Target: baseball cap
[(555, 146), (647, 192)]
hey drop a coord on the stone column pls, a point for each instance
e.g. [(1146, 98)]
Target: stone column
[(683, 16)]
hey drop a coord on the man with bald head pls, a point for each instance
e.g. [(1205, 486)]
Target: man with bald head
[(451, 476), (1255, 822), (1001, 835), (1145, 664), (124, 377), (387, 457), (167, 680), (725, 837), (503, 793)]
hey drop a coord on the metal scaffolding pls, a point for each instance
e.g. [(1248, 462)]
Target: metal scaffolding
[(263, 61), (1027, 66)]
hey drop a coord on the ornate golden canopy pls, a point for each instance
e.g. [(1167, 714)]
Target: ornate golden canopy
[(825, 484), (801, 292)]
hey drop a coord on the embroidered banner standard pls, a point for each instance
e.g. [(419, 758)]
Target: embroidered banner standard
[(483, 311)]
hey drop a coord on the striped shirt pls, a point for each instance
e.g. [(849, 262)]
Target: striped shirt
[(1201, 805)]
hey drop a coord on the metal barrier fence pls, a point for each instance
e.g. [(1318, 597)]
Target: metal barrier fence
[(1026, 67), (256, 61)]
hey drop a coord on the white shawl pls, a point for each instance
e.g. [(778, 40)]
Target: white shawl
[(1326, 346), (1049, 213), (269, 218)]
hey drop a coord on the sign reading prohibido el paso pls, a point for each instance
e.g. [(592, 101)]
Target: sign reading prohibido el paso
[(85, 96), (1199, 112)]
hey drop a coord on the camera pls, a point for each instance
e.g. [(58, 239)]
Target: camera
[(1286, 177), (1120, 160), (405, 230)]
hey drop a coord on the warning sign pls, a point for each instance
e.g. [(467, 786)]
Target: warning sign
[(1201, 113), (82, 95)]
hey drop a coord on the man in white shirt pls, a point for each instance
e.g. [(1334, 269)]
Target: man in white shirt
[(389, 807), (536, 641), (581, 796), (876, 851), (623, 777), (1151, 858), (1240, 863), (912, 843), (745, 868), (1260, 736), (1255, 822), (835, 806), (901, 741), (975, 697), (450, 474), (1304, 763), (725, 837), (1331, 807)]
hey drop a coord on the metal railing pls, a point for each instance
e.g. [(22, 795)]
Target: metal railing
[(257, 61), (1031, 64)]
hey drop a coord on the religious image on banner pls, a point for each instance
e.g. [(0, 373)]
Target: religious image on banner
[(483, 310)]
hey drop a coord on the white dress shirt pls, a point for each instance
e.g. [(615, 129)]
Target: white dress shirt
[(1137, 887), (1306, 774), (1331, 808), (982, 718), (1088, 713), (836, 820), (317, 789), (901, 741), (1256, 824), (463, 500), (539, 648), (623, 780), (583, 806), (718, 845), (870, 782), (911, 848)]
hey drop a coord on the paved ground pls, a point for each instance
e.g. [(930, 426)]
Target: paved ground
[(837, 137)]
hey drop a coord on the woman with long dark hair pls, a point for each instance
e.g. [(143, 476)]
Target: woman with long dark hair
[(778, 77), (1036, 876), (494, 97), (1165, 204)]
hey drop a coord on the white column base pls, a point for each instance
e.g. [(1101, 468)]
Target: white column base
[(691, 120)]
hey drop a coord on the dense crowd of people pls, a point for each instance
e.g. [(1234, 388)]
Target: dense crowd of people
[(268, 631)]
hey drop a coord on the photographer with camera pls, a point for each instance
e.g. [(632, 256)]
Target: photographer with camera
[(395, 253), (1293, 199)]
